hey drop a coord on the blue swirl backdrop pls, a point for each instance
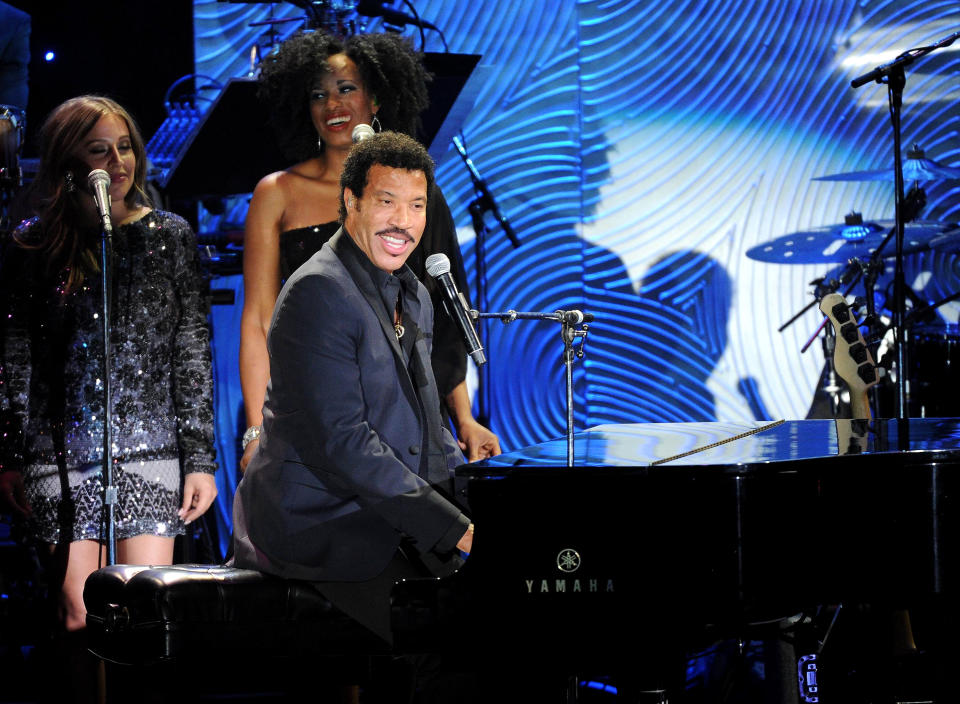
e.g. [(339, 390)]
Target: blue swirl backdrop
[(639, 150)]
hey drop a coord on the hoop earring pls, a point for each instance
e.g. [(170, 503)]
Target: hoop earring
[(320, 144), (68, 184), (375, 124)]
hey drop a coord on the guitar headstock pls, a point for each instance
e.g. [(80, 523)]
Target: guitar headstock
[(851, 356)]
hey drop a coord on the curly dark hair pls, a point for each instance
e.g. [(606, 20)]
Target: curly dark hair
[(391, 149), (391, 69)]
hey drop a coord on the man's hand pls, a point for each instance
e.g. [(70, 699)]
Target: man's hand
[(466, 542), (199, 491), (476, 441), (13, 497)]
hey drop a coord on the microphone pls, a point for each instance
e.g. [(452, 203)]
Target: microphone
[(361, 132), (438, 266), (574, 317), (371, 8), (99, 182)]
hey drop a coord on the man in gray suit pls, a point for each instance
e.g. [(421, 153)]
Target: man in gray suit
[(351, 485)]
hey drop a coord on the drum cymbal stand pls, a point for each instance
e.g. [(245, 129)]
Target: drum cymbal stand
[(894, 76)]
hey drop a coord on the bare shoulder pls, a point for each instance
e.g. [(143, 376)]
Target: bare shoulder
[(270, 186), (303, 195)]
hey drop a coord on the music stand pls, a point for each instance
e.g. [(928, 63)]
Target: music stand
[(235, 131)]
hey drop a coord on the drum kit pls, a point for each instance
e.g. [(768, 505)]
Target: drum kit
[(932, 349)]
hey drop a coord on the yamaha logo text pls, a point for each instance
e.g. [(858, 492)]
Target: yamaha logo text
[(568, 563)]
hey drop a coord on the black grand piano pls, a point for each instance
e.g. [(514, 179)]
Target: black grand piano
[(620, 558)]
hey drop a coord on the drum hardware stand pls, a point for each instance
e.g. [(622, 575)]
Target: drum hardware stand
[(322, 14), (916, 199), (484, 202), (894, 76), (916, 313), (573, 325), (871, 269), (823, 287), (831, 386)]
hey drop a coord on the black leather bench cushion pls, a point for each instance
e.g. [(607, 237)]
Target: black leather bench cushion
[(138, 614)]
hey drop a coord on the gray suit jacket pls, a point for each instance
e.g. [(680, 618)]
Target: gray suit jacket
[(336, 481)]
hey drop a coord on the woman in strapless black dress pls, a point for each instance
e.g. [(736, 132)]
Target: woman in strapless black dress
[(318, 89)]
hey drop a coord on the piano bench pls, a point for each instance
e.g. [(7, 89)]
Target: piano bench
[(139, 615)]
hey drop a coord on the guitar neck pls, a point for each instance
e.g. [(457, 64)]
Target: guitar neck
[(851, 356)]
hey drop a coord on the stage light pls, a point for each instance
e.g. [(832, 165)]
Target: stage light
[(49, 56)]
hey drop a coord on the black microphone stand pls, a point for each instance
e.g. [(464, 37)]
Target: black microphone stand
[(109, 483), (572, 326), (483, 203), (480, 252), (894, 76)]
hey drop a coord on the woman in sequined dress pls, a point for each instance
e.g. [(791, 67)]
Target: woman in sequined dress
[(318, 89), (51, 404)]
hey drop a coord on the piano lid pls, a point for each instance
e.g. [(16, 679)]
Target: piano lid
[(642, 444)]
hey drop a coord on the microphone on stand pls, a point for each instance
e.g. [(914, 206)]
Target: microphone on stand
[(99, 182), (361, 132), (438, 266)]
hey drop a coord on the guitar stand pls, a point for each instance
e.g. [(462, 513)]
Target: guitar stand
[(573, 326)]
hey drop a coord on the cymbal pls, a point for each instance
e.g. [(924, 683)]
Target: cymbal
[(948, 241), (838, 243), (916, 167)]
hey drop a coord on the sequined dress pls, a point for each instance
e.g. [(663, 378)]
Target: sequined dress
[(51, 405)]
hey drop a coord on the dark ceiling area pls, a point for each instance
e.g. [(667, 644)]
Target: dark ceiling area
[(131, 51)]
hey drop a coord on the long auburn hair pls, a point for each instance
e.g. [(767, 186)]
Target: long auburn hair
[(64, 236)]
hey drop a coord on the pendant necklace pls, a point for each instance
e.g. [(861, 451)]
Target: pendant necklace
[(398, 316)]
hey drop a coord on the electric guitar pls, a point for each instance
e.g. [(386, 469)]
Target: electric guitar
[(854, 364)]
